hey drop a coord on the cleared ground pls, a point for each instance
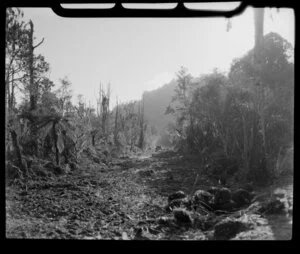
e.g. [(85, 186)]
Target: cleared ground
[(121, 201)]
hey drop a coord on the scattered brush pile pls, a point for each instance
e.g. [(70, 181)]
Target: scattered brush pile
[(221, 213), (47, 167)]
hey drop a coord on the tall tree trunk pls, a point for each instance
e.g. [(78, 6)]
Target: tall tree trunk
[(116, 130), (22, 164), (262, 118), (104, 115), (66, 152), (259, 33), (245, 151), (12, 95), (6, 115), (259, 26), (32, 89), (141, 138), (93, 134)]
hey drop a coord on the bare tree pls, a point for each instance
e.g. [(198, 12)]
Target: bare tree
[(33, 85), (103, 108), (141, 123), (116, 129)]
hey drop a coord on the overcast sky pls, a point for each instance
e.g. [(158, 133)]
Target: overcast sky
[(141, 54)]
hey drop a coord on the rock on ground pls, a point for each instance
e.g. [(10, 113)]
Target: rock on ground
[(242, 197), (213, 190), (180, 202), (223, 195), (176, 195), (183, 216), (202, 196)]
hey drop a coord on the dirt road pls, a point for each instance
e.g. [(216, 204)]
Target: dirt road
[(115, 202)]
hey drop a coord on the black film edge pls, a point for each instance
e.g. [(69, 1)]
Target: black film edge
[(118, 11)]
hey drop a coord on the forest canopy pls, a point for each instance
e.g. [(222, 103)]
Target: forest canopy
[(245, 116)]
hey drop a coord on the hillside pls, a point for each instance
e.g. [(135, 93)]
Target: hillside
[(156, 102)]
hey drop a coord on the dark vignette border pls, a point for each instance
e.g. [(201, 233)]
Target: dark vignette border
[(178, 12)]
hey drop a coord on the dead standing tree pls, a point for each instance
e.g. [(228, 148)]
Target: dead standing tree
[(33, 84), (259, 97), (259, 94), (116, 127), (260, 91), (103, 109), (141, 142)]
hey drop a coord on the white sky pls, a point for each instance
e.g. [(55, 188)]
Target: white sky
[(138, 54)]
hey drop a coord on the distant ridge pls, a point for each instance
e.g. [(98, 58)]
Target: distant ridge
[(155, 103)]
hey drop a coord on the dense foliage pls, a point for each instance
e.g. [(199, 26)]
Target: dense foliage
[(241, 122)]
